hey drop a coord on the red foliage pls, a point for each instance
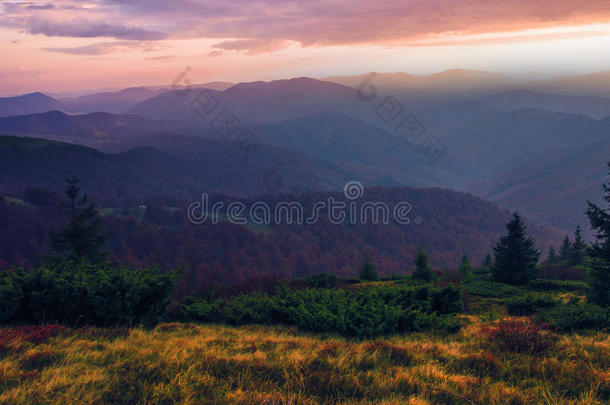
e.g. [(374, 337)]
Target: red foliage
[(521, 335), (33, 334)]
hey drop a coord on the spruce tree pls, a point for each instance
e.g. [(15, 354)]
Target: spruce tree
[(465, 268), (565, 251), (488, 262), (515, 254), (599, 272), (83, 236), (422, 271), (552, 257), (368, 272), (577, 257)]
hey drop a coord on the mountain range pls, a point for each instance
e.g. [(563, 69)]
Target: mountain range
[(521, 145)]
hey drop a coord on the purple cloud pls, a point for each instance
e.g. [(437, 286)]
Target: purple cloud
[(87, 29), (47, 6), (267, 25), (103, 48)]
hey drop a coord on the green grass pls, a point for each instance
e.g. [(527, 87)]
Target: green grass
[(212, 364), (492, 359)]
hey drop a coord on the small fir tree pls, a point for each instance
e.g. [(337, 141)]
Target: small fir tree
[(552, 257), (488, 262), (82, 238), (565, 251), (577, 258), (422, 271), (368, 272), (465, 268), (515, 254)]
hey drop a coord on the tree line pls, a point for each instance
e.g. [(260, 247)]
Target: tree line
[(79, 284)]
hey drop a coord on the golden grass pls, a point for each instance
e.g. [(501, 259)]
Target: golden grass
[(211, 364)]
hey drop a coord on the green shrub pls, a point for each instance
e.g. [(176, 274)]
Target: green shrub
[(447, 301), (199, 310), (321, 280), (483, 271), (361, 313), (528, 305), (490, 289), (249, 308), (11, 294), (575, 316), (557, 285), (80, 293)]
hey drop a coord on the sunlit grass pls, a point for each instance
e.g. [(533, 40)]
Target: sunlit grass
[(212, 364)]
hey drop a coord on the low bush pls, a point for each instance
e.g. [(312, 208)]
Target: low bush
[(529, 304), (199, 309), (482, 271), (518, 335), (321, 280), (557, 285), (80, 293), (490, 289), (575, 316), (362, 313)]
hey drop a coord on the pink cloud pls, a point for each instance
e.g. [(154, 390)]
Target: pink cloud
[(267, 25), (358, 21), (81, 28), (251, 46), (104, 48), (263, 26)]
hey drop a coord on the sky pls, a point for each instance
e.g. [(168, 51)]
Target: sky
[(63, 46)]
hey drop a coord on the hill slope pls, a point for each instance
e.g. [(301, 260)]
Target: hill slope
[(446, 223), (28, 104), (185, 168), (594, 107), (263, 102)]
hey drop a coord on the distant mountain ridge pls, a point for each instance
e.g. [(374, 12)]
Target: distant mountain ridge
[(262, 102), (111, 102), (595, 107), (185, 168), (28, 104), (104, 131), (505, 144)]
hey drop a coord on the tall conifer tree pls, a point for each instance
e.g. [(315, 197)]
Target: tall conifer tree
[(577, 258), (515, 254), (83, 236), (599, 273)]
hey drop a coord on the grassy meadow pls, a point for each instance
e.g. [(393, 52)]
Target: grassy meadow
[(189, 363)]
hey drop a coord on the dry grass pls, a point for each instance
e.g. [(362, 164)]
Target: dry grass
[(211, 364)]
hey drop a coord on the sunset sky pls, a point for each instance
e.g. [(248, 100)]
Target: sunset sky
[(71, 45)]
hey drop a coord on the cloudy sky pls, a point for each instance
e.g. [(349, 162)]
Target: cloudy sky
[(69, 45)]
